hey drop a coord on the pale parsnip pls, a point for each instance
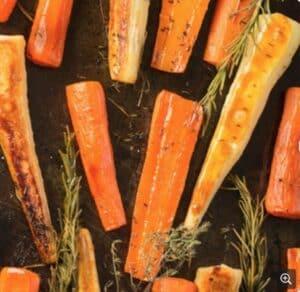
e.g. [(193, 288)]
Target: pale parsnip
[(127, 35), (87, 267), (220, 278), (276, 42), (16, 140)]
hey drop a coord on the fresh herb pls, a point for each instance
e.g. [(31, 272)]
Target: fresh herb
[(181, 244), (236, 51), (251, 242), (116, 261), (24, 11), (63, 274)]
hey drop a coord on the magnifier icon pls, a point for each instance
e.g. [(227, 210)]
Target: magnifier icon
[(285, 278)]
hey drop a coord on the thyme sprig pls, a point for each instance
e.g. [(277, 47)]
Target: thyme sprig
[(63, 274), (236, 51), (251, 242)]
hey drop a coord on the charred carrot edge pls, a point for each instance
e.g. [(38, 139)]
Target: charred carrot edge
[(265, 60), (126, 38), (174, 130), (87, 268), (18, 280), (173, 285), (218, 277), (6, 8), (86, 102), (293, 260), (48, 34), (179, 25), (282, 197), (16, 140), (228, 21)]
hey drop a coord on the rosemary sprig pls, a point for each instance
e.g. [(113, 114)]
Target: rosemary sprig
[(251, 242), (63, 274), (236, 51), (24, 11)]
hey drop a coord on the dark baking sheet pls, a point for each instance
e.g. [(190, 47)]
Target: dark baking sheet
[(83, 60)]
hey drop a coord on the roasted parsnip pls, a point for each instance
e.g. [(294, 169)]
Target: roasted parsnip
[(16, 140), (87, 268), (127, 34), (267, 56), (218, 279)]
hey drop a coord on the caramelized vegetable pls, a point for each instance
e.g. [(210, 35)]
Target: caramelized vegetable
[(127, 34), (16, 140), (179, 25), (48, 34), (174, 130), (218, 279), (229, 20), (6, 8), (283, 194), (173, 285), (86, 102), (293, 258), (265, 60), (18, 280), (87, 268)]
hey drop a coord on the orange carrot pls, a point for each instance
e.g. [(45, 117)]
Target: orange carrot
[(283, 193), (228, 22), (48, 34), (293, 258), (173, 285), (175, 126), (180, 23), (6, 8), (18, 280), (86, 101)]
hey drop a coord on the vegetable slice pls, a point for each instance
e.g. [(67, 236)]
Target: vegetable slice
[(6, 8), (169, 284), (283, 193), (127, 35), (218, 278), (16, 140), (87, 268), (86, 102), (48, 34), (180, 23), (263, 64), (174, 130), (229, 19), (293, 258), (18, 280)]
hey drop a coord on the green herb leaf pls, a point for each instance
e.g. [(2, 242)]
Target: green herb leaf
[(64, 272), (251, 242)]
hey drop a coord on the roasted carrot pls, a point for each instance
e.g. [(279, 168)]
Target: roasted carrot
[(48, 34), (221, 278), (283, 193), (87, 268), (86, 101), (173, 134), (18, 280), (6, 8), (16, 140), (126, 37), (293, 259), (179, 25), (228, 22), (173, 285), (266, 58)]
